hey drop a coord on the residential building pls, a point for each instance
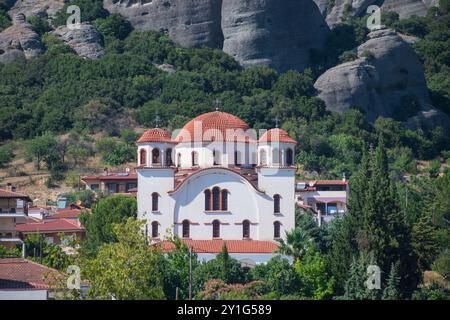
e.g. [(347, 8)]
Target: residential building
[(112, 183), (13, 210)]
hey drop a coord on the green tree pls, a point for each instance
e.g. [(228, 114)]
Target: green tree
[(6, 154), (424, 242), (126, 270), (105, 213), (42, 148), (114, 26), (391, 291)]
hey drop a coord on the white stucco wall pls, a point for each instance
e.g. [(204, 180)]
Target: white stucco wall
[(23, 294)]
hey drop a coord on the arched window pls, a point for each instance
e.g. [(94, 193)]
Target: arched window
[(155, 232), (246, 229), (216, 229), (207, 200), (289, 157), (276, 203), (224, 199), (179, 160), (169, 161), (277, 230), (263, 158), (155, 198), (217, 157), (186, 229), (156, 156), (216, 198), (143, 157), (276, 156), (237, 158), (194, 159)]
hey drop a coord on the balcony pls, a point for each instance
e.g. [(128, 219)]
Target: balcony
[(13, 213)]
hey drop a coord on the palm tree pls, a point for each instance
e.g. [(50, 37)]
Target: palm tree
[(297, 243)]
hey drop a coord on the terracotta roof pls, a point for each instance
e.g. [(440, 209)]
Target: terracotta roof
[(13, 195), (233, 246), (331, 182), (130, 176), (276, 135), (65, 214), (182, 175), (214, 126), (17, 273), (156, 135), (51, 225)]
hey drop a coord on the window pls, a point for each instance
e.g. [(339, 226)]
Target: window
[(169, 161), (246, 229), (216, 198), (95, 187), (179, 160), (216, 156), (276, 229), (332, 208), (155, 232), (216, 229), (276, 203), (155, 198), (207, 200), (263, 158), (224, 200), (130, 185), (289, 157), (112, 187), (194, 159), (237, 158), (186, 228), (143, 157), (156, 156)]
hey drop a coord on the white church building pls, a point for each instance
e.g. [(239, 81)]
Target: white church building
[(217, 181)]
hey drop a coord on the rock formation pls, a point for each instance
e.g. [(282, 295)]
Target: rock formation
[(19, 40), (86, 41), (272, 32), (386, 72), (40, 8)]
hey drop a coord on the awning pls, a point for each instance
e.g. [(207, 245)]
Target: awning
[(330, 199)]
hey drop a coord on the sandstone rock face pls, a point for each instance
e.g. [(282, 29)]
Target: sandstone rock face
[(377, 84), (85, 41), (40, 8), (19, 40), (276, 33), (188, 22)]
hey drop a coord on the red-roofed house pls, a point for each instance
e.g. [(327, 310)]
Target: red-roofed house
[(329, 197), (51, 228), (22, 279), (108, 183), (13, 210)]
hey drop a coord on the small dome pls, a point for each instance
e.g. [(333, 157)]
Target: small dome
[(215, 125), (276, 135), (156, 135)]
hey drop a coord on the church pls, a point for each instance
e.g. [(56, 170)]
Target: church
[(216, 180)]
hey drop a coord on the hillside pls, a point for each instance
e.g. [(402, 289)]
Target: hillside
[(117, 75)]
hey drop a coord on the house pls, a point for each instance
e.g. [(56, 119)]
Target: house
[(51, 229), (22, 279), (327, 198), (108, 183), (13, 210), (215, 180)]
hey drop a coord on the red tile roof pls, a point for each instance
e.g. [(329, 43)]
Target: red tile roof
[(233, 246), (214, 126), (131, 177), (51, 225), (156, 135), (13, 195), (17, 273), (65, 214), (276, 135)]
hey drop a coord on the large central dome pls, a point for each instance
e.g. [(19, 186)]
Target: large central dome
[(213, 126)]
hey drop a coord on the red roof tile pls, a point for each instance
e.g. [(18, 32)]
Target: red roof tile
[(233, 246), (276, 135), (214, 126), (17, 273), (13, 195), (156, 135), (65, 214), (51, 225), (131, 177)]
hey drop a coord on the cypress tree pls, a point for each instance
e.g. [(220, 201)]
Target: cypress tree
[(391, 291)]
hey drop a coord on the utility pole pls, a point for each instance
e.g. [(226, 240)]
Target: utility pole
[(190, 272)]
